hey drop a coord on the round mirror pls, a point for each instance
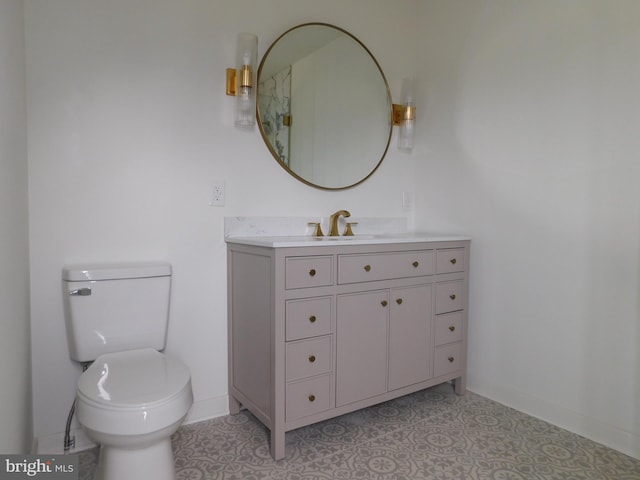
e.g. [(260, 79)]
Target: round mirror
[(324, 106)]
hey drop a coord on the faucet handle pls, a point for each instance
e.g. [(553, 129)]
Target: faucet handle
[(347, 231), (317, 231)]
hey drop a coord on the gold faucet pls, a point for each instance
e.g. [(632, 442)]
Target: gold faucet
[(333, 222)]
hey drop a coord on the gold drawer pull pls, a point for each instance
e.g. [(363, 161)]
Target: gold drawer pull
[(312, 272), (312, 319), (367, 268), (312, 398), (383, 303), (452, 328), (399, 301), (312, 358), (451, 359), (452, 296), (453, 261), (415, 264)]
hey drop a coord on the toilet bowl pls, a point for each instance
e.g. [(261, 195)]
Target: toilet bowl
[(131, 403)]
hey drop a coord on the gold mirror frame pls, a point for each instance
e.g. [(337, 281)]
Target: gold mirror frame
[(371, 165)]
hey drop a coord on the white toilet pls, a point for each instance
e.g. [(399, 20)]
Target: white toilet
[(132, 398)]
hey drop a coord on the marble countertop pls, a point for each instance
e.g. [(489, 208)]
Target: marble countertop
[(277, 232), (307, 240)]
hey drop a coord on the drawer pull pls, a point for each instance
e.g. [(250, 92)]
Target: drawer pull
[(452, 296), (383, 303), (453, 261), (312, 358), (452, 328), (312, 319), (416, 264), (451, 359), (367, 268), (399, 301), (312, 272), (312, 398)]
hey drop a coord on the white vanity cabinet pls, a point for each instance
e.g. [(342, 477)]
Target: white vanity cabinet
[(319, 330)]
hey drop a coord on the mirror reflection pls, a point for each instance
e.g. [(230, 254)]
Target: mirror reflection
[(324, 108)]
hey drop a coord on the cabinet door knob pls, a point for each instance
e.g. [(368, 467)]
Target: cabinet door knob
[(452, 328), (312, 358), (451, 359), (312, 398), (383, 303), (453, 261), (452, 296), (399, 301), (416, 264), (312, 319), (312, 272), (367, 268)]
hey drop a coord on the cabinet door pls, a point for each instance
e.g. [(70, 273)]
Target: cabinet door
[(361, 364), (409, 336)]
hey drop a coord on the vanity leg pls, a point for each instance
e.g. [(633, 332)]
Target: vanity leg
[(234, 405), (460, 385), (277, 444)]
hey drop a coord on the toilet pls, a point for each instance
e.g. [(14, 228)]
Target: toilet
[(133, 397)]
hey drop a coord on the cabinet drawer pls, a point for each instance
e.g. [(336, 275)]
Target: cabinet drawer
[(308, 397), (306, 358), (449, 296), (304, 272), (384, 266), (448, 359), (448, 328), (450, 260), (309, 317)]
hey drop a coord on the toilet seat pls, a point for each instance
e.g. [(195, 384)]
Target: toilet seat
[(133, 393), (133, 379)]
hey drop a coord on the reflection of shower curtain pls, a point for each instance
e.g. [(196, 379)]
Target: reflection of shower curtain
[(274, 103)]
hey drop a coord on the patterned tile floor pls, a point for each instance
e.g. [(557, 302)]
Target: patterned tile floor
[(432, 434)]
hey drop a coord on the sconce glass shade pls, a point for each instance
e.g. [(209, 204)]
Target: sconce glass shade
[(246, 57), (408, 120)]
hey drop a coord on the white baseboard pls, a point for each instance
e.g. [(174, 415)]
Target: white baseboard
[(621, 440), (200, 410), (208, 408), (54, 444), (34, 446)]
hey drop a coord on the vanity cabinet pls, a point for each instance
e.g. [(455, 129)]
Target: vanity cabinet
[(316, 331)]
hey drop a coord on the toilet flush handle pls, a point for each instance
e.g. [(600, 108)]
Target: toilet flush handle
[(83, 292)]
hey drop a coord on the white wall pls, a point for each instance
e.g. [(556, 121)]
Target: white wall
[(15, 351), (532, 146), (128, 128)]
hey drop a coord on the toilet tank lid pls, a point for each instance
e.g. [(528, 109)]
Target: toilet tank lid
[(115, 271)]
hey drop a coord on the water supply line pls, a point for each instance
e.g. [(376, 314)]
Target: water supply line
[(70, 441)]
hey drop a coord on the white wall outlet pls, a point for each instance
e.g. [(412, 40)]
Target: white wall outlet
[(217, 194)]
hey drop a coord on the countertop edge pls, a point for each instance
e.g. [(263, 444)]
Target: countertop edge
[(308, 241)]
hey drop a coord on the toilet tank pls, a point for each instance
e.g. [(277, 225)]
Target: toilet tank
[(115, 307)]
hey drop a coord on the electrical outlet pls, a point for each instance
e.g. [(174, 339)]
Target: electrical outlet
[(217, 195)]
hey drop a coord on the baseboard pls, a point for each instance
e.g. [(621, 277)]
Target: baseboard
[(200, 410), (54, 444), (34, 446), (208, 408), (589, 427)]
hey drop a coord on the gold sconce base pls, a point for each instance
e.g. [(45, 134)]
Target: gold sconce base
[(231, 82), (403, 112)]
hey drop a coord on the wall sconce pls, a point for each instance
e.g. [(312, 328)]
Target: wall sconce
[(404, 115), (241, 80)]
